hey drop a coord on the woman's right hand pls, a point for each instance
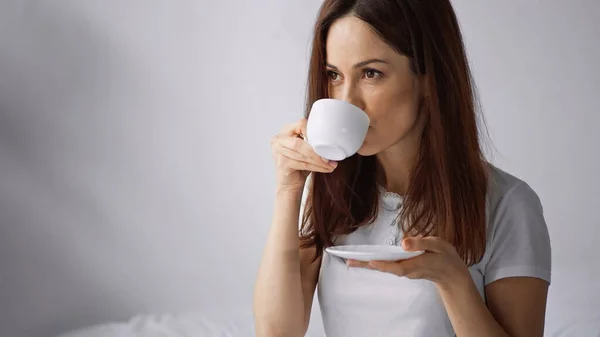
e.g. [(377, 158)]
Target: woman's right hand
[(295, 158)]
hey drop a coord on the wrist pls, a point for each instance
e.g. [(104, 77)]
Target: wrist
[(287, 191), (289, 188), (459, 281)]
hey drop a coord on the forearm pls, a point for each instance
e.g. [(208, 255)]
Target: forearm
[(278, 299), (468, 313)]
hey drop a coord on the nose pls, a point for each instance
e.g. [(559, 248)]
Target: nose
[(352, 95)]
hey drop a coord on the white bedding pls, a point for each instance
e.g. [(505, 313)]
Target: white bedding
[(573, 311), (169, 326), (241, 325), (182, 325)]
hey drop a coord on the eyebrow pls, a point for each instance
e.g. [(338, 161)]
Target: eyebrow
[(361, 64)]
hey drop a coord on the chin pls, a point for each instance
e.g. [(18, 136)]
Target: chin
[(366, 151)]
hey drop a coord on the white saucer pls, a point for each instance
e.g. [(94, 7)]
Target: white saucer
[(372, 252)]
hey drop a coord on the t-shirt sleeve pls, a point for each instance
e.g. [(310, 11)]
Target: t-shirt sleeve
[(520, 243)]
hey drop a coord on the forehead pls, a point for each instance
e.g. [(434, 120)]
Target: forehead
[(351, 40)]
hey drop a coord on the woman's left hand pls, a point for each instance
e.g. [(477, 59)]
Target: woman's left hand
[(440, 263)]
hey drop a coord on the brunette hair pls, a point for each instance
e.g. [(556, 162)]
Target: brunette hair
[(447, 192)]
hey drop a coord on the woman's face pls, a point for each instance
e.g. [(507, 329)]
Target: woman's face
[(368, 73)]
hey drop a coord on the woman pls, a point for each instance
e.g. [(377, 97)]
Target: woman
[(419, 180)]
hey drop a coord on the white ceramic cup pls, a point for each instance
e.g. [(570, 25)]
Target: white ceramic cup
[(336, 129)]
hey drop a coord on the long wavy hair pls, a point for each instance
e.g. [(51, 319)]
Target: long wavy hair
[(446, 196)]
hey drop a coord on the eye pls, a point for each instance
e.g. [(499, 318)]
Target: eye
[(372, 73), (333, 75)]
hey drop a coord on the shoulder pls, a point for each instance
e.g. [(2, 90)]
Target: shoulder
[(507, 193), (518, 242), (503, 185)]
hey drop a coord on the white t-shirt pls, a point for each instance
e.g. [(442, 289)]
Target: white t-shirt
[(357, 302)]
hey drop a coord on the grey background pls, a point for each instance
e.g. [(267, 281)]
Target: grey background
[(135, 168)]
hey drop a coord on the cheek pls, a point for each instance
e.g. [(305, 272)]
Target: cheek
[(397, 116), (391, 120), (390, 106)]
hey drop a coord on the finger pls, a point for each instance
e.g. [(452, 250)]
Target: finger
[(305, 149), (430, 244), (293, 130), (303, 129), (358, 264), (301, 165), (392, 267), (411, 268), (424, 266), (405, 264), (278, 148)]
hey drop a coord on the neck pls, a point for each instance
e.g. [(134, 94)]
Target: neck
[(397, 163)]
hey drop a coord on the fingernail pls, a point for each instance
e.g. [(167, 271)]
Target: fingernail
[(333, 164)]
